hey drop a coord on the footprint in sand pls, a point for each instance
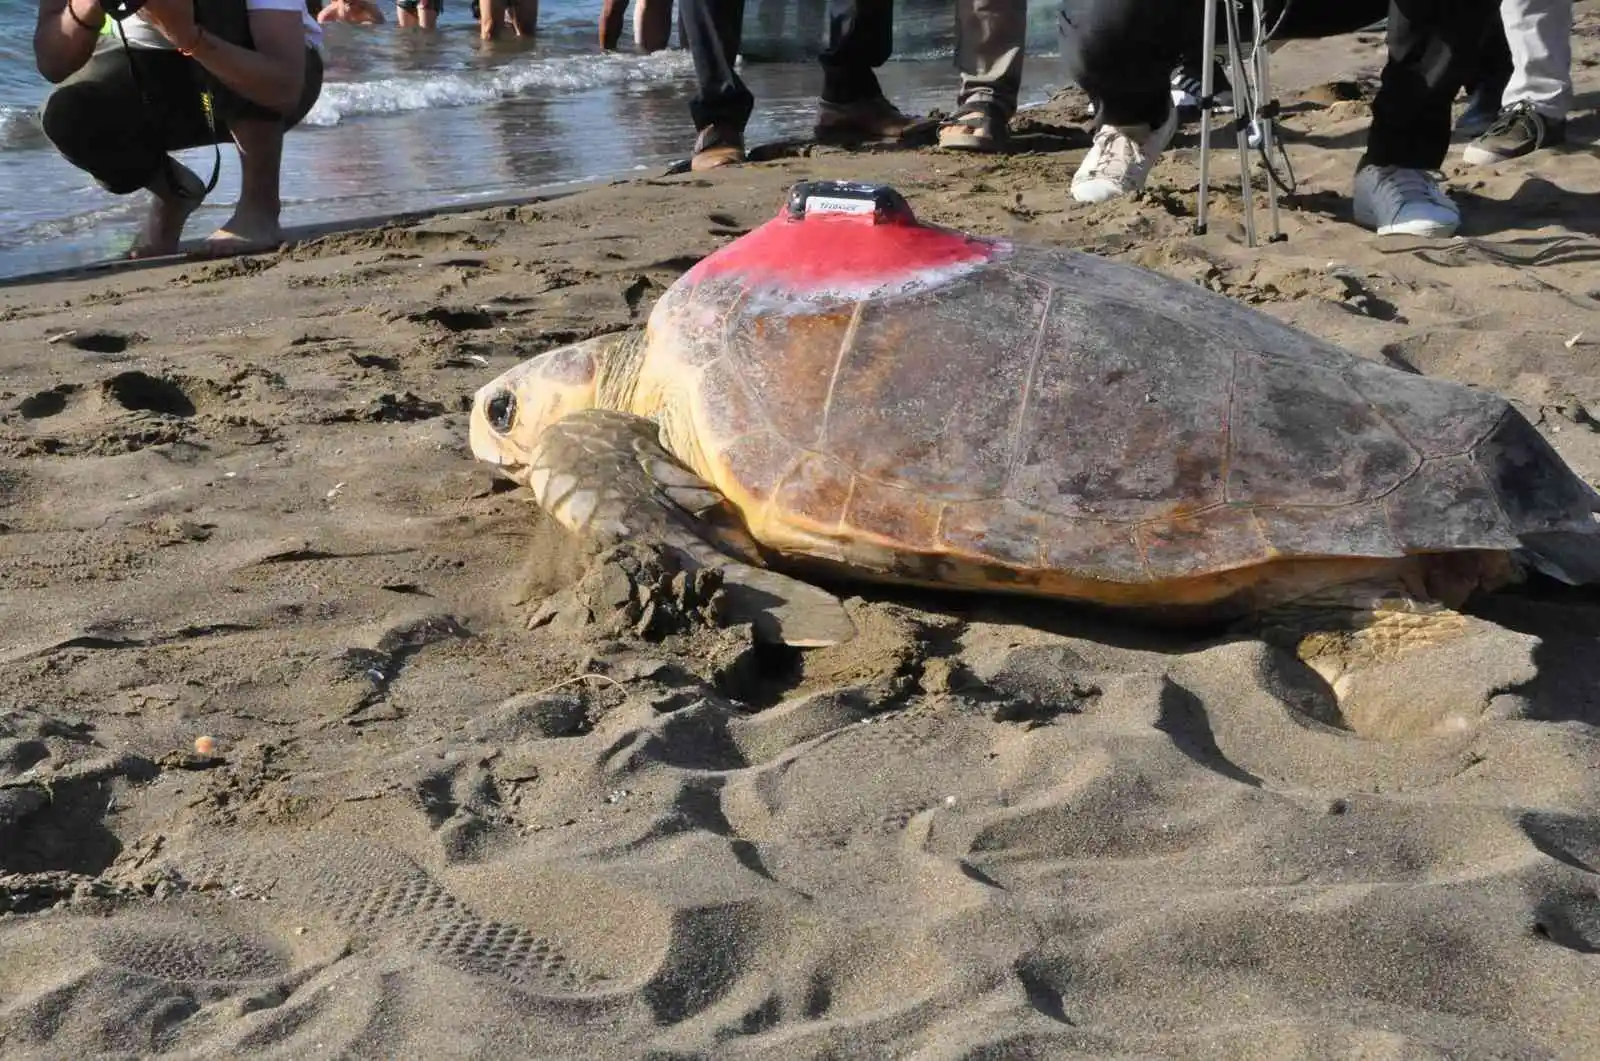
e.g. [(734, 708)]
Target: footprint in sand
[(132, 391), (100, 340), (157, 965), (380, 895), (141, 392), (44, 404)]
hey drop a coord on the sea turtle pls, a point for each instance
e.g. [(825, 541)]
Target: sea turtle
[(846, 390)]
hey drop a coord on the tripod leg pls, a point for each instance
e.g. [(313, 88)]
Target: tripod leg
[(1241, 125), (1262, 55), (1207, 85)]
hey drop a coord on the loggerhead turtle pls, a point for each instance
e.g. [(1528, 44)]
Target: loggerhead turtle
[(846, 390)]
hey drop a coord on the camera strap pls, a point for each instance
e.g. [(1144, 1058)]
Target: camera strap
[(118, 10)]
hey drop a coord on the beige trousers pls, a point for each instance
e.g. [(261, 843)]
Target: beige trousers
[(990, 41), (1540, 35)]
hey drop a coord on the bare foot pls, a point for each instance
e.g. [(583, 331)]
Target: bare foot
[(169, 212), (245, 233)]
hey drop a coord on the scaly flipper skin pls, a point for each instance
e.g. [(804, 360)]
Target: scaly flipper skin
[(1351, 635), (606, 477)]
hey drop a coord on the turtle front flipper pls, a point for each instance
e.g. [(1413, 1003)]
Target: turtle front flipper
[(606, 477)]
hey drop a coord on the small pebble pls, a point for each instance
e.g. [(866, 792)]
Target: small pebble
[(205, 746)]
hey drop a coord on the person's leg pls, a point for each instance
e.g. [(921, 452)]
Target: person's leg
[(652, 25), (524, 17), (1432, 44), (990, 43), (99, 121), (258, 133), (613, 14), (860, 39), (852, 106), (1538, 92), (428, 13), (1486, 82), (1122, 52), (1539, 36), (721, 105), (491, 18), (405, 14)]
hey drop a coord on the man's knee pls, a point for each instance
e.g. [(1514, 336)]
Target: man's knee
[(69, 115), (231, 107), (76, 118), (93, 125)]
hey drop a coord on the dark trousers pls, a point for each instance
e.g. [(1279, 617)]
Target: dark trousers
[(100, 123), (1492, 72), (1122, 52), (860, 39)]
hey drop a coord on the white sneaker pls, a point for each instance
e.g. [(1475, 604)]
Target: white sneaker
[(1120, 159), (1396, 201)]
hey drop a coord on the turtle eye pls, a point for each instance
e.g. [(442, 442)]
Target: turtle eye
[(502, 410)]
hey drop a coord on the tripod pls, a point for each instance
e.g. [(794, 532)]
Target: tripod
[(1253, 121)]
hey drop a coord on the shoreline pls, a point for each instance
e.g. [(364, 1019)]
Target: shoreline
[(636, 150), (298, 234)]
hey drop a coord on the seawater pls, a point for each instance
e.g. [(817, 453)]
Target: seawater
[(411, 121)]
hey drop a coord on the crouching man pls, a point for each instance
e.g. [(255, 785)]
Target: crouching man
[(130, 93)]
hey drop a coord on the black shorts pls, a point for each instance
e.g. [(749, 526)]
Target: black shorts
[(118, 124)]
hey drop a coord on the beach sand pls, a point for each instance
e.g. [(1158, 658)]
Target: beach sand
[(237, 507)]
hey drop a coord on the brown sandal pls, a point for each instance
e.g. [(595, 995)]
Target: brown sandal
[(716, 146), (978, 127)]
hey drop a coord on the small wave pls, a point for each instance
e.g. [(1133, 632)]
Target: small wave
[(19, 129), (394, 95), (86, 223)]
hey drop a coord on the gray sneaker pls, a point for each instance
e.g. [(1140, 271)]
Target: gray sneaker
[(1520, 130)]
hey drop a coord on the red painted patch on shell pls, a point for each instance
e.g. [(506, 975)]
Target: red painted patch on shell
[(843, 253)]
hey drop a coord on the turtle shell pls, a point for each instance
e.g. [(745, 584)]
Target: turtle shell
[(904, 399)]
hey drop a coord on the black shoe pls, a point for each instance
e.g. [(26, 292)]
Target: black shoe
[(1186, 86)]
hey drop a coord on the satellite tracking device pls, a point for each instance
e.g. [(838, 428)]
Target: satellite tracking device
[(879, 201)]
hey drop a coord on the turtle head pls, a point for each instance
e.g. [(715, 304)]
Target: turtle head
[(511, 411)]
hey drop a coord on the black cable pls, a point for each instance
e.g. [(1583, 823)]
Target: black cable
[(1270, 109)]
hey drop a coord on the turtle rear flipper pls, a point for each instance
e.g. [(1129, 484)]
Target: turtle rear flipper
[(1572, 557), (606, 477), (1395, 665)]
